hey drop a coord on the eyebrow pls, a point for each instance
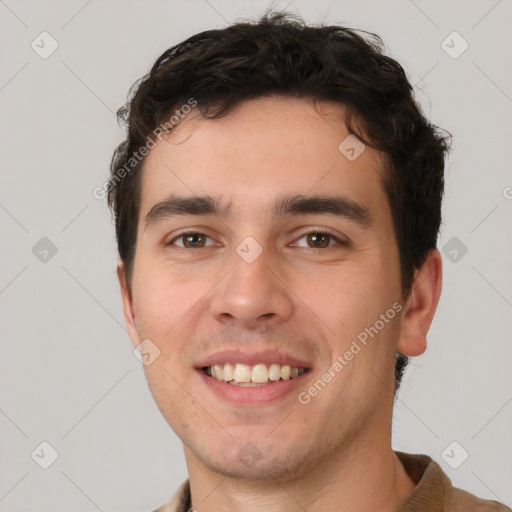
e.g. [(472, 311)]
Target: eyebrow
[(340, 206), (175, 206)]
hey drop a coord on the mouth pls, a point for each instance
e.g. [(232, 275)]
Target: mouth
[(251, 376)]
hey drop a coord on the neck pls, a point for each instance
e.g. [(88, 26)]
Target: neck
[(364, 479)]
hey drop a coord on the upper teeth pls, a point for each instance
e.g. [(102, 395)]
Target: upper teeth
[(259, 373)]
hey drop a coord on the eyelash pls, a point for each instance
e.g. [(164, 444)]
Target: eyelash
[(318, 231), (310, 232)]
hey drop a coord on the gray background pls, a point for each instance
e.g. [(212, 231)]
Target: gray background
[(68, 375)]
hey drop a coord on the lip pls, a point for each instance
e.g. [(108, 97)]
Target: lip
[(262, 395), (267, 357)]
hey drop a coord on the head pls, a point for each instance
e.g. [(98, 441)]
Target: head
[(244, 130)]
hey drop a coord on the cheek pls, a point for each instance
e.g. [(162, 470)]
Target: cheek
[(349, 297), (349, 303), (162, 298)]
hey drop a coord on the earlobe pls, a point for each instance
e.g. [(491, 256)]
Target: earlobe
[(127, 303), (421, 306)]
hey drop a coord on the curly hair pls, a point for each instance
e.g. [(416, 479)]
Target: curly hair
[(280, 55)]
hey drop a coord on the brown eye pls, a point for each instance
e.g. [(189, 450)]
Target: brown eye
[(318, 240), (190, 240), (193, 240)]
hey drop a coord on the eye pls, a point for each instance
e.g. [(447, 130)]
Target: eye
[(191, 240), (319, 240)]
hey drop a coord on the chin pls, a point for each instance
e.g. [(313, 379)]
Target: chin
[(255, 461)]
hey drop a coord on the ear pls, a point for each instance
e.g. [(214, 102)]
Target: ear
[(420, 306), (127, 302)]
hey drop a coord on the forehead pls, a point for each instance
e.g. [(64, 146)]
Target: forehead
[(265, 148)]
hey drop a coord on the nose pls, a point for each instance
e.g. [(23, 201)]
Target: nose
[(253, 294)]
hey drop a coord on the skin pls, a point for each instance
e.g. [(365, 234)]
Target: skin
[(333, 453)]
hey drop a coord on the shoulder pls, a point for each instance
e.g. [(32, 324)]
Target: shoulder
[(434, 490), (459, 500)]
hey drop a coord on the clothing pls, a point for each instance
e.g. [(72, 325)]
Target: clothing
[(434, 491)]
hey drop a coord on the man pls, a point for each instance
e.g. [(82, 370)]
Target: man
[(277, 203)]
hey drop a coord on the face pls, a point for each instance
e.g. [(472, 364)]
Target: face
[(283, 253)]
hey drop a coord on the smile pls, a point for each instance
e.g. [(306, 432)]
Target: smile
[(252, 375)]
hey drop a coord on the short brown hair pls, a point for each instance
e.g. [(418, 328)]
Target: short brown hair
[(280, 54)]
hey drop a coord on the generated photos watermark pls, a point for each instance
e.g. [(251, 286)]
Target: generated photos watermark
[(138, 156), (361, 341)]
